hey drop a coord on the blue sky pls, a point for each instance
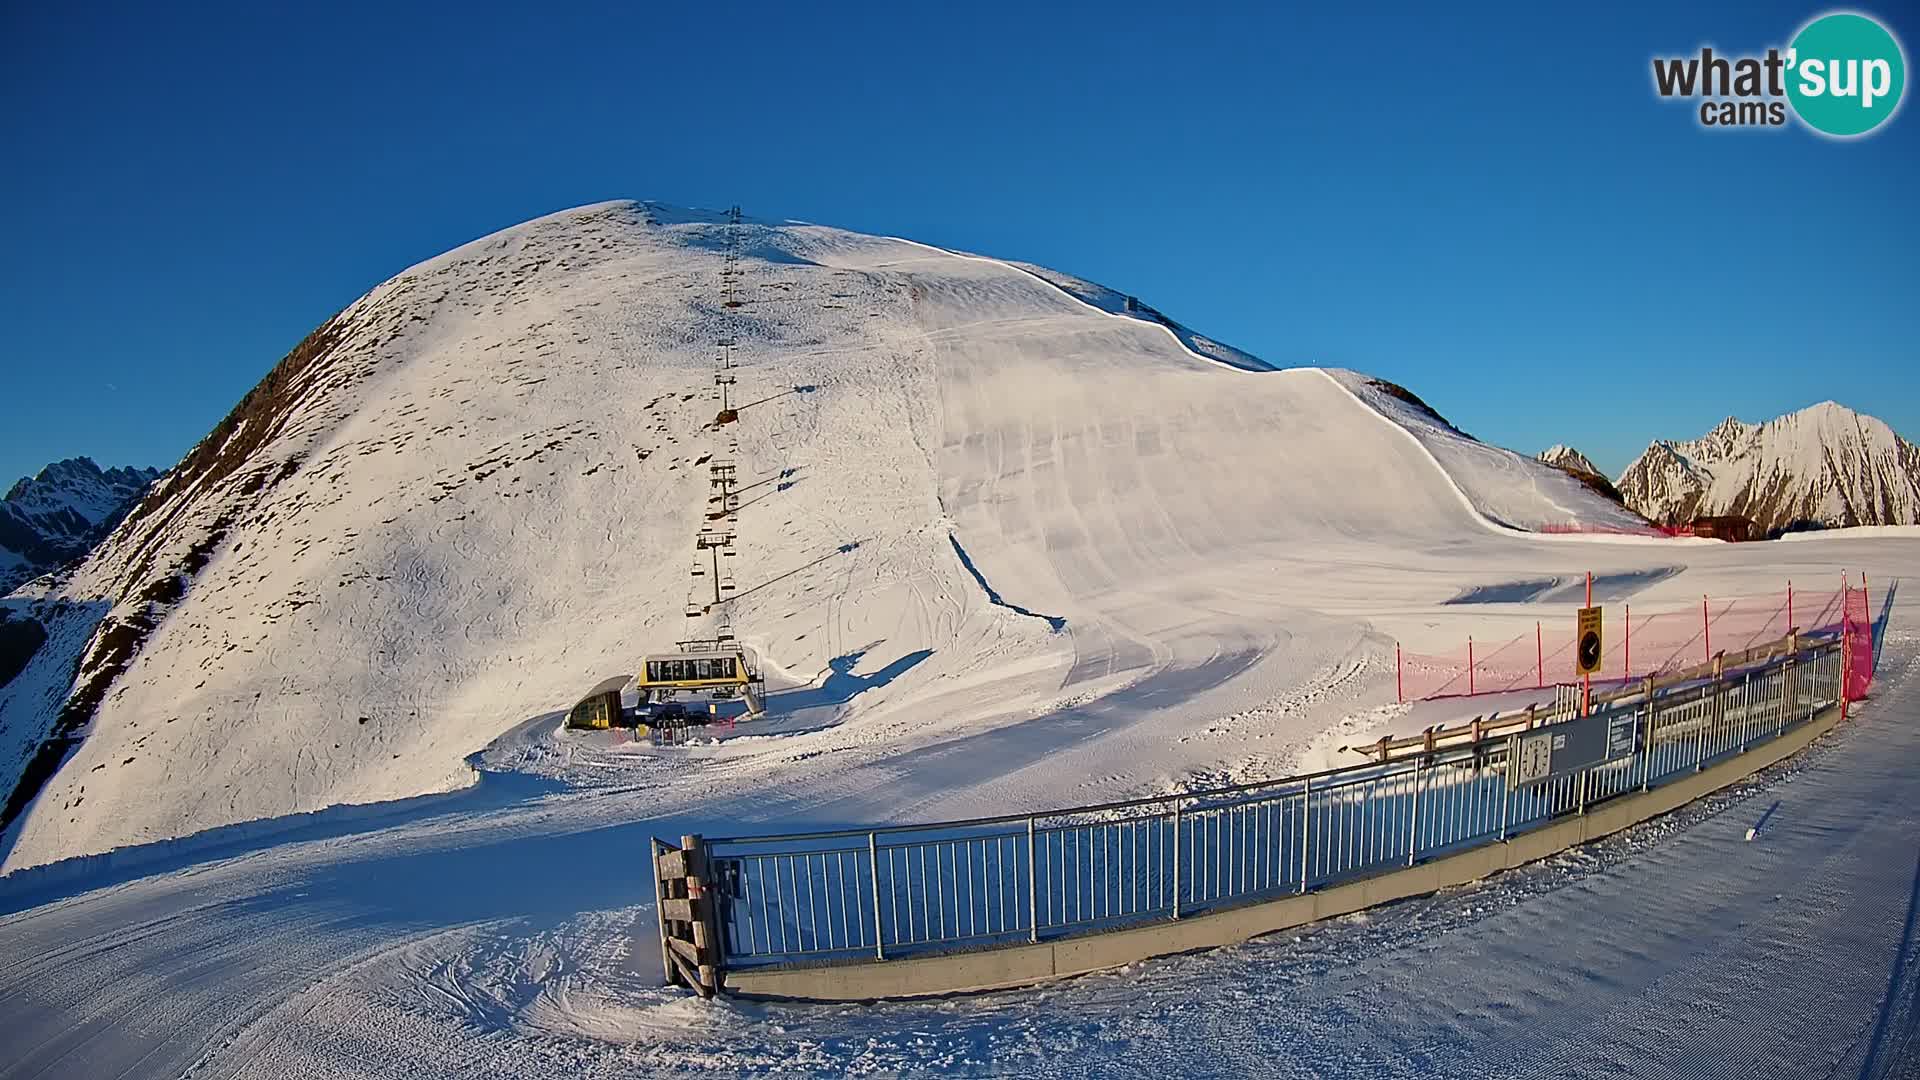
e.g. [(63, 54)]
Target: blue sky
[(1489, 206)]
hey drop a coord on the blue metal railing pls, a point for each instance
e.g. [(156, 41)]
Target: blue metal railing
[(914, 890)]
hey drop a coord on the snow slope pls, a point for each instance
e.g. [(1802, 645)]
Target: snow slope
[(502, 932), (1825, 463), (1503, 487), (974, 497)]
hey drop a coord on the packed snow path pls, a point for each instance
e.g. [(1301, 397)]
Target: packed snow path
[(490, 941)]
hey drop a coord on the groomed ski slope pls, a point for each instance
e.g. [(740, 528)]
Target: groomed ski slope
[(481, 499), (503, 932)]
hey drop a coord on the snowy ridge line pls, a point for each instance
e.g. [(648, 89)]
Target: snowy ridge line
[(1095, 308), (1486, 522), (1459, 492)]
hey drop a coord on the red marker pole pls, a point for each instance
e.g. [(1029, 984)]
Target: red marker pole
[(1627, 668), (1539, 657), (1789, 607), (1469, 665), (1399, 676)]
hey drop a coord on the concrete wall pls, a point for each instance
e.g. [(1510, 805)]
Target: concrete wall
[(1020, 965)]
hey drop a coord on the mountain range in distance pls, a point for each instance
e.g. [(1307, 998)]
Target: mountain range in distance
[(1824, 466), (59, 514)]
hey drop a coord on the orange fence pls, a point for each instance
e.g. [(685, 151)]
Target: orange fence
[(1637, 644)]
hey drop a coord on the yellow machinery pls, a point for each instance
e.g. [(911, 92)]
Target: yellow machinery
[(601, 707), (719, 669)]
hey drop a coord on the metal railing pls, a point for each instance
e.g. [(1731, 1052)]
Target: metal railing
[(904, 891)]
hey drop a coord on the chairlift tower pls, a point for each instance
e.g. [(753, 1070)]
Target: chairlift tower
[(714, 541)]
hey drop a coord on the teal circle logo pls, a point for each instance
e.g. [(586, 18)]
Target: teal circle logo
[(1845, 74)]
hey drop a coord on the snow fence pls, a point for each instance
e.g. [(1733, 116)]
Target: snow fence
[(1647, 643)]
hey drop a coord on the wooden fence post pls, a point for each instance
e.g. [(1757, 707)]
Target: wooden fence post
[(689, 922)]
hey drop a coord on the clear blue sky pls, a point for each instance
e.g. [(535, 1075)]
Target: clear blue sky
[(1489, 206)]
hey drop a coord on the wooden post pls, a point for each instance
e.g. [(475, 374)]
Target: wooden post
[(690, 929), (660, 909)]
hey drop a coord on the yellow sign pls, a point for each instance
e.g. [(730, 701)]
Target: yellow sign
[(1588, 642)]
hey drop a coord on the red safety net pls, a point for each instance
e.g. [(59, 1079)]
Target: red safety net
[(1859, 640), (1637, 644)]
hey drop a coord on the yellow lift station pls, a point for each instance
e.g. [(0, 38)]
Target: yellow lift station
[(722, 672)]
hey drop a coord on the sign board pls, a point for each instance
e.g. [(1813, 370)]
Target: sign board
[(1572, 745), (1588, 642)]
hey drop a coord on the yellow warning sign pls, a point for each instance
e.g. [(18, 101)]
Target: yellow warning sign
[(1589, 643)]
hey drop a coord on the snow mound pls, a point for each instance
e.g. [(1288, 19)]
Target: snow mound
[(971, 491)]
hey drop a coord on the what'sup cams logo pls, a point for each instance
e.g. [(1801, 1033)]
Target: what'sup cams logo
[(1843, 75)]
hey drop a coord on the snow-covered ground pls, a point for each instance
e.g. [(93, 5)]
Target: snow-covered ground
[(505, 930), (1008, 543)]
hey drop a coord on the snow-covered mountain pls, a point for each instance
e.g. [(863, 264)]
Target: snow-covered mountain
[(1577, 465), (1825, 463), (1562, 456), (474, 492), (59, 514)]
